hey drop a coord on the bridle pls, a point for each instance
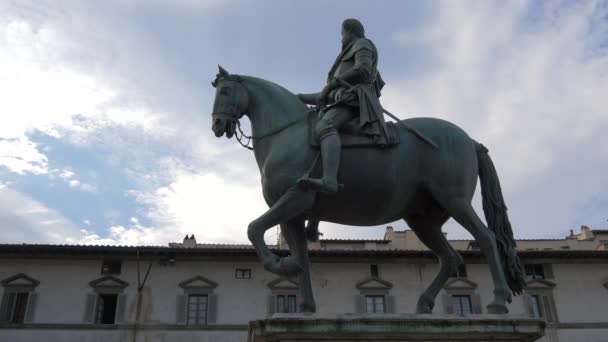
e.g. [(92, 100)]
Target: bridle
[(234, 118)]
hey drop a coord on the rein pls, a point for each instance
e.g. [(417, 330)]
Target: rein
[(240, 138)]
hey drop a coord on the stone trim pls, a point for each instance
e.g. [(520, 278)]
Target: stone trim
[(147, 326), (9, 287), (273, 285), (452, 285), (208, 286), (118, 284), (234, 327), (383, 285)]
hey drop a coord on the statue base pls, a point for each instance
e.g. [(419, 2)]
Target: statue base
[(397, 327)]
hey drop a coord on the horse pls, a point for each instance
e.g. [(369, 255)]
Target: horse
[(411, 181)]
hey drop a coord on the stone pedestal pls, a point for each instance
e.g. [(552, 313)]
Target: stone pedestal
[(403, 327)]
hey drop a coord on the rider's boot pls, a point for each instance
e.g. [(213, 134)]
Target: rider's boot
[(330, 154)]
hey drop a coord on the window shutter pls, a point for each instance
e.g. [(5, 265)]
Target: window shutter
[(212, 309), (8, 299), (548, 270), (360, 304), (89, 309), (180, 309), (476, 303), (447, 307), (390, 304), (120, 308), (548, 309), (30, 309), (272, 304), (528, 304)]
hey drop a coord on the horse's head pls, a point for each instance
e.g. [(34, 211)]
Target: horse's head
[(231, 101)]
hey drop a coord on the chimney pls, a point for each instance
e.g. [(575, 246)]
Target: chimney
[(586, 233), (389, 234), (189, 241)]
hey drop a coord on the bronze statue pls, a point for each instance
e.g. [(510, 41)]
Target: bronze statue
[(353, 88), (411, 180)]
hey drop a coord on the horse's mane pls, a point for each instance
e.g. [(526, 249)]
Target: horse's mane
[(266, 82)]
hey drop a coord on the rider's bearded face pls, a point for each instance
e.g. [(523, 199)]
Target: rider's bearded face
[(347, 37)]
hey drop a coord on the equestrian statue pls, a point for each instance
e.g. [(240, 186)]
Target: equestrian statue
[(372, 172)]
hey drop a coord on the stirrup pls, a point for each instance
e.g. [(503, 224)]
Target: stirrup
[(317, 184)]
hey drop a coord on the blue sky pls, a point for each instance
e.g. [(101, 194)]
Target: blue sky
[(106, 107)]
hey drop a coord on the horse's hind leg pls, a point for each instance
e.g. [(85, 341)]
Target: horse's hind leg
[(462, 211), (295, 235), (428, 230)]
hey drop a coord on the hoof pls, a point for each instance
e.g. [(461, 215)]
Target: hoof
[(271, 263), (288, 267), (424, 307), (498, 309)]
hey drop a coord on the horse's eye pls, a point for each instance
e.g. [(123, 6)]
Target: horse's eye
[(225, 91)]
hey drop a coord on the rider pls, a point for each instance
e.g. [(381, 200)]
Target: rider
[(353, 87)]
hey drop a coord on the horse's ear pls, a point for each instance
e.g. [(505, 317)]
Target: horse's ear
[(223, 72)]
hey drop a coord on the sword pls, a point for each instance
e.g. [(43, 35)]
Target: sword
[(411, 129)]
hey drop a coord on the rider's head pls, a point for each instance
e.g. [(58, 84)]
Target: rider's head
[(351, 29)]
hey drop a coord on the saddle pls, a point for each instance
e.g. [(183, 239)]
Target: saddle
[(351, 135)]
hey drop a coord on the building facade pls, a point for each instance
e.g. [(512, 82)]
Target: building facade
[(201, 292)]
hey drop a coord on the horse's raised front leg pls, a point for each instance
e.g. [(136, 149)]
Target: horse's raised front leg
[(295, 235), (290, 205)]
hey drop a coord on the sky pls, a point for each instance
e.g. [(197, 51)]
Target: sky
[(105, 134)]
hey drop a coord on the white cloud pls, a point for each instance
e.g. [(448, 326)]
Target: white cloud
[(43, 91), (207, 205), (531, 91), (21, 156), (26, 220)]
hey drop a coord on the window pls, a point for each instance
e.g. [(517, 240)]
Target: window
[(197, 309), (536, 310), (534, 271), (461, 272), (375, 304), (111, 266), (18, 304), (15, 307), (286, 303), (461, 304), (105, 312), (373, 269), (243, 273), (106, 303)]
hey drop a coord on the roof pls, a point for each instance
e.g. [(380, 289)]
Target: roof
[(97, 251), (354, 240), (599, 231)]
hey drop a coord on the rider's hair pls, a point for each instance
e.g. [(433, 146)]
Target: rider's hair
[(354, 26)]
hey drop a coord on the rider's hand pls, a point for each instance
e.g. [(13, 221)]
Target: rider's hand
[(324, 95)]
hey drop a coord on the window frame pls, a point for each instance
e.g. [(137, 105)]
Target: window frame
[(245, 273), (188, 303), (12, 289), (461, 287), (284, 303), (374, 297), (543, 291), (100, 308), (117, 263), (460, 304), (197, 286)]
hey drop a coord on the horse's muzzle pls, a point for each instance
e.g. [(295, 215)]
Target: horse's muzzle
[(221, 126)]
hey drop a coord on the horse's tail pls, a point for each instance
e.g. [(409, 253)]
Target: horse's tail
[(495, 211)]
